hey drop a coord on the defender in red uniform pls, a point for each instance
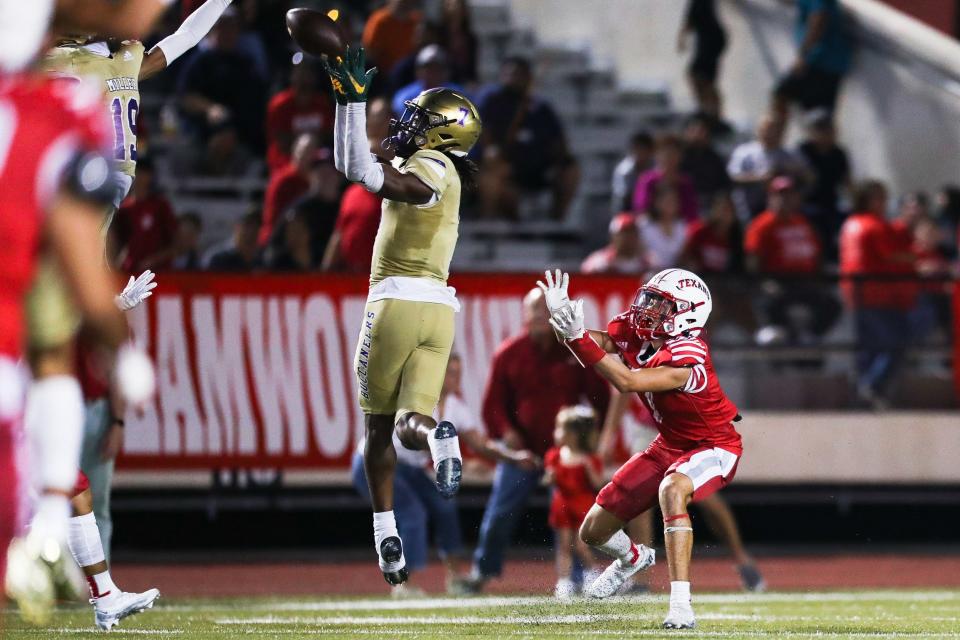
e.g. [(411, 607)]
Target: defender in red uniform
[(655, 349)]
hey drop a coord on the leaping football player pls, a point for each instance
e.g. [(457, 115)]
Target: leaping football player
[(408, 321), (656, 350)]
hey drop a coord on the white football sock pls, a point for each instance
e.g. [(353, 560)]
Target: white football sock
[(680, 592), (443, 448), (102, 588), (621, 547), (384, 526), (84, 540), (54, 425)]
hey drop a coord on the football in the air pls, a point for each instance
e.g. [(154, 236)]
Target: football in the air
[(315, 32)]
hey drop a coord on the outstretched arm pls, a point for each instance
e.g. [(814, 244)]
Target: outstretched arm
[(568, 323), (351, 84), (639, 380), (193, 30)]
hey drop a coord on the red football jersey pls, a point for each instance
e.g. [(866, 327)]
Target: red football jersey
[(43, 125), (699, 414)]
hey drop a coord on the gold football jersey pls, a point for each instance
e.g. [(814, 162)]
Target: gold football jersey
[(418, 240), (117, 77)]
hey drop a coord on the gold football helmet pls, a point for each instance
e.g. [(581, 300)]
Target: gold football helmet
[(441, 119)]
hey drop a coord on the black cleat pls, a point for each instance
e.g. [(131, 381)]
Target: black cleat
[(450, 470), (391, 551), (751, 578)]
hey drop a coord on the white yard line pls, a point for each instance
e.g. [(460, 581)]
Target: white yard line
[(116, 630), (421, 604)]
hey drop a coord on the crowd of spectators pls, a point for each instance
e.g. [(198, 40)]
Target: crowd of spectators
[(680, 196), (785, 216)]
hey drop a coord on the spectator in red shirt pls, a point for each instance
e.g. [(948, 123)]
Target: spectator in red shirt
[(145, 227), (287, 185), (297, 110), (351, 245), (669, 155), (870, 246), (715, 245), (782, 242), (624, 253), (533, 376)]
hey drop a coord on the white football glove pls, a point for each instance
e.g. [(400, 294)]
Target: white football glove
[(137, 290), (568, 321), (555, 291)]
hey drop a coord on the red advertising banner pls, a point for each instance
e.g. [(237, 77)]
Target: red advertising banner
[(257, 371)]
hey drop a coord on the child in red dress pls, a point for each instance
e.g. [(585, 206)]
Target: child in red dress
[(576, 473)]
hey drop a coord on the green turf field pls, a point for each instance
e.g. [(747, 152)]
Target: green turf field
[(868, 614)]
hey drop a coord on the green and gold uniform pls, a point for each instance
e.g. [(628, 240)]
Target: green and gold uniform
[(408, 323), (51, 314)]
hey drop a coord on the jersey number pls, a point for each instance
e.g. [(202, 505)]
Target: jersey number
[(120, 138), (653, 408)]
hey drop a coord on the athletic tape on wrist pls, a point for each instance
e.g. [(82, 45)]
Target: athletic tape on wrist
[(586, 349)]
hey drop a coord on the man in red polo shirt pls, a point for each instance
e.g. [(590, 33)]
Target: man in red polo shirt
[(532, 377), (871, 246), (782, 245), (297, 110)]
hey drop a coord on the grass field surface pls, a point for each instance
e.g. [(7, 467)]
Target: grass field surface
[(851, 614)]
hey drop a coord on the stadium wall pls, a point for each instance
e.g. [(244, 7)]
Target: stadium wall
[(256, 372), (900, 107)]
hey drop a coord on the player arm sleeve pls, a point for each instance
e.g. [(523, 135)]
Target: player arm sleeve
[(340, 138), (359, 164), (193, 30)]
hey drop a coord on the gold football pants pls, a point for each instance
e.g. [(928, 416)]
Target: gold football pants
[(402, 355)]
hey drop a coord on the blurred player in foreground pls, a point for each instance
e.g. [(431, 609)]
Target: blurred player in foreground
[(55, 177), (408, 321), (655, 349), (111, 70), (576, 473)]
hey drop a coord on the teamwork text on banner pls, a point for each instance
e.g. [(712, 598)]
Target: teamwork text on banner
[(258, 370)]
